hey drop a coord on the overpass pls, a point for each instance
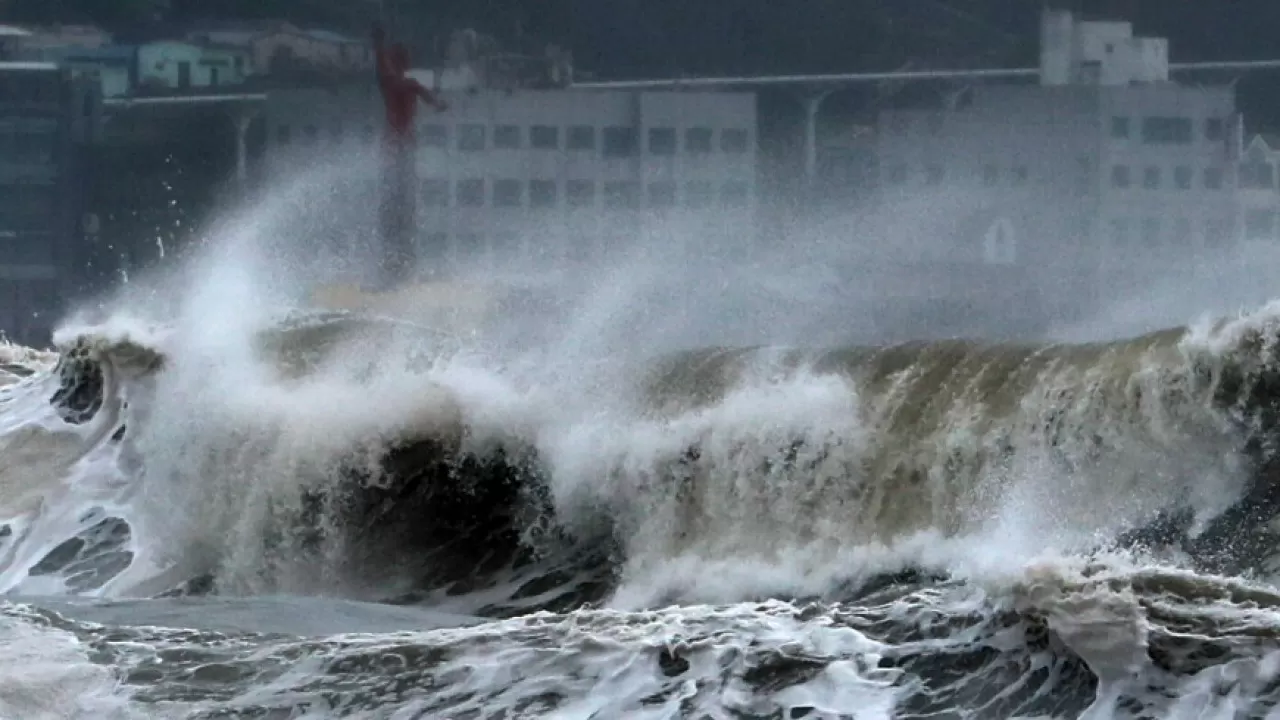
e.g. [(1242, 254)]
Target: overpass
[(815, 88)]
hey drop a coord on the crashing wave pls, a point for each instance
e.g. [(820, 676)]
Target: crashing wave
[(768, 457)]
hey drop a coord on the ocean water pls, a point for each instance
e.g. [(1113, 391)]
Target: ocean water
[(315, 515)]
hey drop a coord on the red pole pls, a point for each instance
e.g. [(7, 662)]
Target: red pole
[(398, 211)]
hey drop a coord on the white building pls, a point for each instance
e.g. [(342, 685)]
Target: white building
[(549, 176), (1104, 166), (1259, 192)]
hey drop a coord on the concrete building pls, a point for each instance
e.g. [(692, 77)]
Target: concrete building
[(1072, 187), (48, 121), (280, 48), (157, 66), (550, 176), (1259, 193)]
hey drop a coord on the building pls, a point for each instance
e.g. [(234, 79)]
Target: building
[(172, 65), (42, 40), (48, 121), (1259, 193), (280, 48), (156, 66), (550, 177), (1102, 172)]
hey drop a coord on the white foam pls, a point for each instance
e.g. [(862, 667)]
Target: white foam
[(46, 675)]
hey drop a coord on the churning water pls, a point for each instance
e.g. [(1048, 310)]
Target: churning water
[(328, 515), (242, 513)]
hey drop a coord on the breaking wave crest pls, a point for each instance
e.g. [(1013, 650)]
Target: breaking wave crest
[(989, 530)]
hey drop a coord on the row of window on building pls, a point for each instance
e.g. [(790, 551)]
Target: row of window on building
[(1153, 177), (1152, 130), (610, 141), (1154, 232), (1169, 130), (619, 194), (441, 250)]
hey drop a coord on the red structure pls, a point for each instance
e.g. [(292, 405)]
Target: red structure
[(397, 216)]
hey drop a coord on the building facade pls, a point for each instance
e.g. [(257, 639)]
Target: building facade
[(549, 177), (1073, 188), (48, 122), (1259, 192), (280, 48)]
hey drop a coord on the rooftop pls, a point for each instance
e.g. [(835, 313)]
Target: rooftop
[(27, 66)]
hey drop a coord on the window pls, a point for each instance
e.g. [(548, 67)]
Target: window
[(1257, 176), (1151, 231), (436, 136), (933, 174), (734, 194), (1166, 131), (619, 142), (544, 137), (506, 137), (1084, 175), (471, 138), (621, 194), (580, 193), (1213, 178), (1182, 177), (471, 192), (733, 141), (507, 193), (542, 193), (1120, 176), (1119, 231), (662, 194), (1120, 127), (582, 137), (662, 141), (435, 192), (283, 134), (1181, 234), (1151, 178), (436, 246), (697, 140), (1219, 233), (990, 175), (698, 194), (1260, 225), (1214, 129)]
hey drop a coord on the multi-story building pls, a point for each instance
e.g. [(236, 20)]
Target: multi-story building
[(47, 123), (1055, 193), (1259, 192), (544, 177)]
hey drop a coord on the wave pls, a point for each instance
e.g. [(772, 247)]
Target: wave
[(999, 530), (373, 459)]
